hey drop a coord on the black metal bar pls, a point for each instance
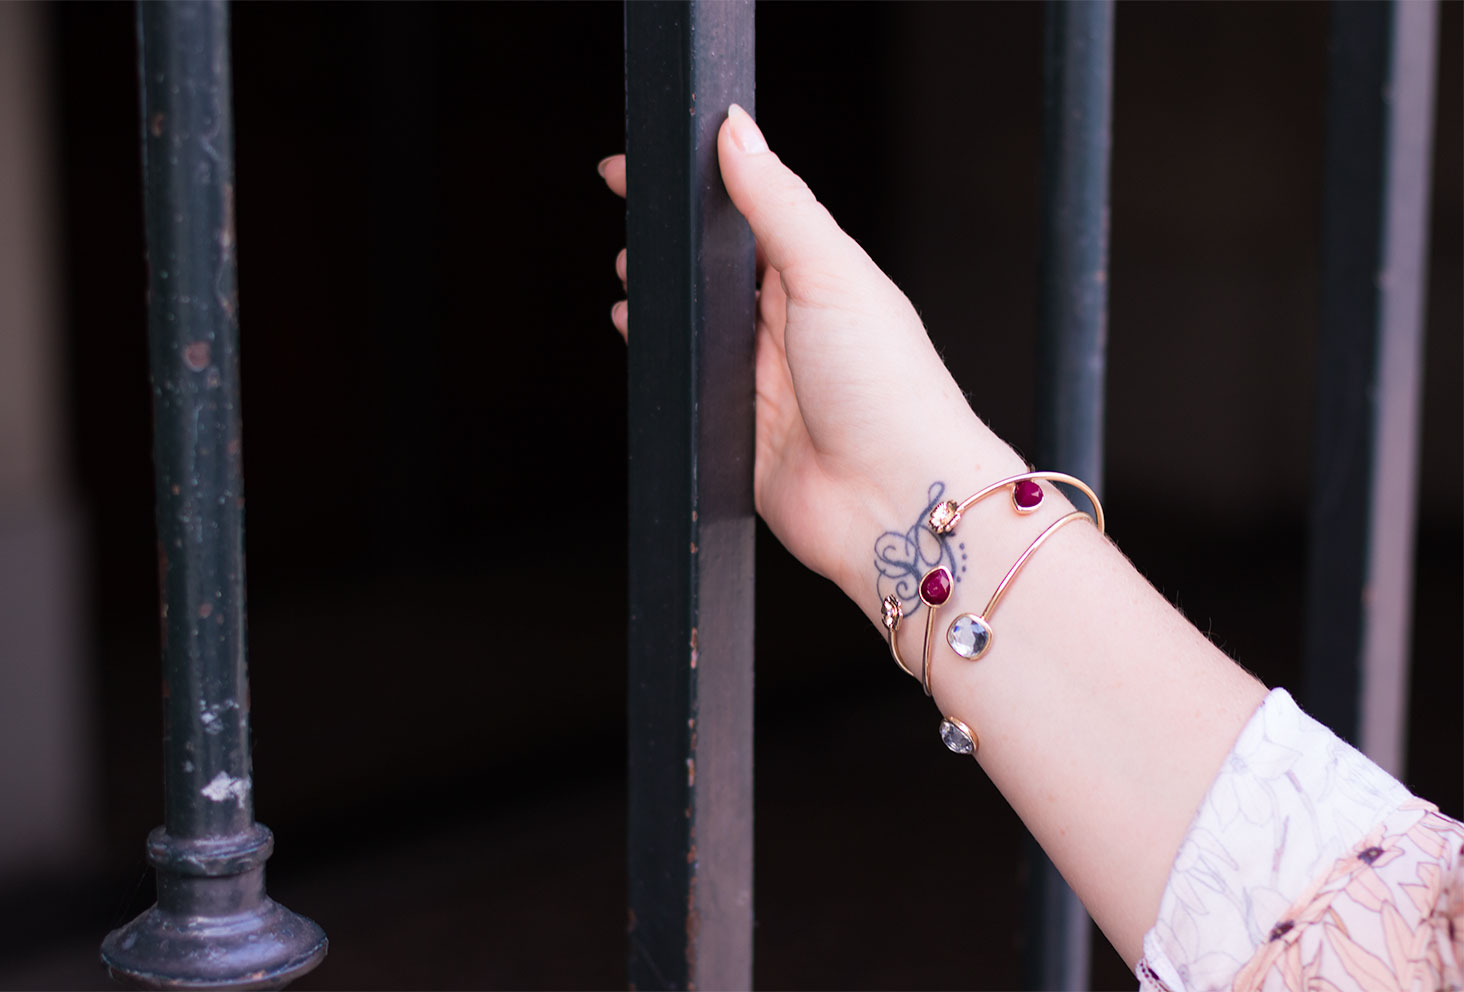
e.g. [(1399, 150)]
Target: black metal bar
[(691, 512), (212, 925), (1071, 361), (1375, 196)]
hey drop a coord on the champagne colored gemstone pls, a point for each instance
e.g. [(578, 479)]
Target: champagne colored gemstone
[(969, 636), (955, 736), (890, 612), (1027, 494), (935, 588), (944, 517)]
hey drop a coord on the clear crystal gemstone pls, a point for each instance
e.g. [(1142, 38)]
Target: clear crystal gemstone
[(956, 738), (969, 635)]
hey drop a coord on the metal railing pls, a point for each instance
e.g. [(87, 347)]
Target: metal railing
[(690, 387), (212, 924), (691, 514), (1375, 199)]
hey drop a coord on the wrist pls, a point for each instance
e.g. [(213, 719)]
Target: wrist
[(889, 548)]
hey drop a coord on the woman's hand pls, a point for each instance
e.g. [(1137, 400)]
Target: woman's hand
[(1102, 714), (856, 413)]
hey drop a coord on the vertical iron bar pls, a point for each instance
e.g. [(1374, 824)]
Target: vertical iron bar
[(212, 925), (1071, 360), (1375, 205), (691, 512)]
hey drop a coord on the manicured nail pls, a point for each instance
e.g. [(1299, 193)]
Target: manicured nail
[(616, 312), (600, 166), (745, 132)]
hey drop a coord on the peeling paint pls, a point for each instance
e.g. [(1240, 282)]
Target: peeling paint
[(693, 931), (212, 716), (223, 788), (196, 356)]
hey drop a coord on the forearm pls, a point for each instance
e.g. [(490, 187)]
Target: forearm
[(1102, 714)]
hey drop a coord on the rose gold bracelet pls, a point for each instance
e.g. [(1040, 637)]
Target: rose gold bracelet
[(970, 635)]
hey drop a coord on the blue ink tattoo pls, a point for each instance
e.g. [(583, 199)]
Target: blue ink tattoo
[(903, 558)]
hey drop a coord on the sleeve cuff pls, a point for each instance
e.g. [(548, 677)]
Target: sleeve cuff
[(1290, 799)]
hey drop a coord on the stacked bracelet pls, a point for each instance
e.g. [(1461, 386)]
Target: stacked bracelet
[(971, 635)]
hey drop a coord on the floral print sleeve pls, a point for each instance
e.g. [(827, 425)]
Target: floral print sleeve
[(1308, 867)]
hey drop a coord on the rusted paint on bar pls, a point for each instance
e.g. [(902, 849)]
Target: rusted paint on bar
[(213, 926), (691, 515)]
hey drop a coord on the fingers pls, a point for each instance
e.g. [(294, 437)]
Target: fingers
[(618, 318), (792, 228), (619, 310), (612, 169)]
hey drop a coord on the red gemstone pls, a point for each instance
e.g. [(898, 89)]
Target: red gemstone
[(1026, 494), (935, 588)]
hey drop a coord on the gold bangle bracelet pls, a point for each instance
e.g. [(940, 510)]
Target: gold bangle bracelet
[(975, 634), (1025, 498), (937, 585), (970, 635)]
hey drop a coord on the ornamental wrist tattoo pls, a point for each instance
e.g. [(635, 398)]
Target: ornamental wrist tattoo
[(901, 558)]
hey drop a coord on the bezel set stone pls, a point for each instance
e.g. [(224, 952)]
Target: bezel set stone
[(936, 587), (970, 636), (891, 612), (958, 737), (1027, 495), (944, 516)]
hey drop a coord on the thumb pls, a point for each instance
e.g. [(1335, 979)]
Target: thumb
[(794, 230)]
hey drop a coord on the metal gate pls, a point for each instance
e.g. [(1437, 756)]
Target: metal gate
[(691, 408)]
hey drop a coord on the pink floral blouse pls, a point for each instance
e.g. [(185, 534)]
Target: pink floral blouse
[(1308, 867)]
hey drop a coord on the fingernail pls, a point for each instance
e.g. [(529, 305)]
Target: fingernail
[(600, 165), (616, 311), (745, 131)]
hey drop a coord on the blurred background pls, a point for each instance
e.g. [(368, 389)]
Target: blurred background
[(426, 270)]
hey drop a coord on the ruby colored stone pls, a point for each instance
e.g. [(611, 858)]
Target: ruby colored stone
[(1027, 494), (935, 588)]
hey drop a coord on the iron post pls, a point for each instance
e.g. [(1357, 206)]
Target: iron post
[(1375, 217), (691, 512), (213, 926), (1072, 350)]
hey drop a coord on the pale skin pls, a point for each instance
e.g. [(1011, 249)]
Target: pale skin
[(1103, 715)]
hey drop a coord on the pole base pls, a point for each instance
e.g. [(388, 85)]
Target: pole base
[(212, 926), (265, 948)]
